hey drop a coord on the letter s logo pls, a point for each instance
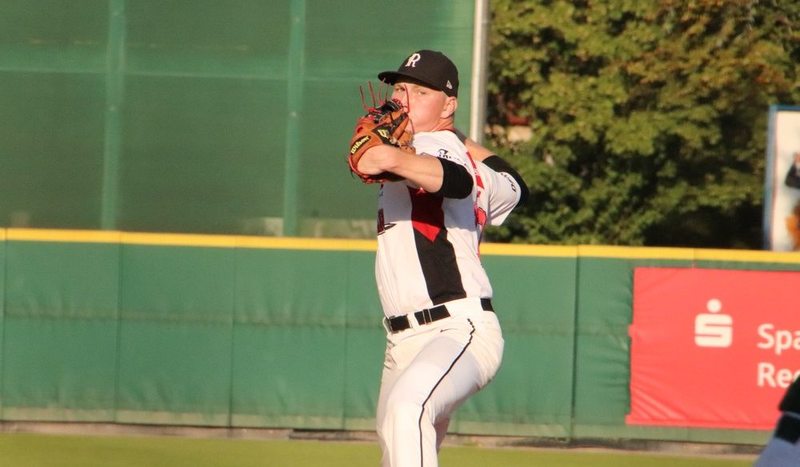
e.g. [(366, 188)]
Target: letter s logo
[(711, 329)]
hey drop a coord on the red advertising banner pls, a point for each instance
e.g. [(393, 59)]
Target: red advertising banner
[(712, 348)]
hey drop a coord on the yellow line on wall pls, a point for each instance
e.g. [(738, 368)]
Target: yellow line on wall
[(168, 239), (688, 254), (332, 244), (627, 252), (293, 243), (191, 240), (71, 236), (506, 249), (748, 255)]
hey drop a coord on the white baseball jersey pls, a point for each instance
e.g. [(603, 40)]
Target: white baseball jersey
[(428, 245)]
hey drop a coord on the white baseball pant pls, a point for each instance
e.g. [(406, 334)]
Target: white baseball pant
[(429, 371)]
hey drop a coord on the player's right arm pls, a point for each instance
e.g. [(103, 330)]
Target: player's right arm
[(430, 173)]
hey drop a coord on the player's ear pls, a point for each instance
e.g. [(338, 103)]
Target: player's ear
[(450, 106)]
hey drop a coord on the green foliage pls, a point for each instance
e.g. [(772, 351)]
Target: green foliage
[(648, 117)]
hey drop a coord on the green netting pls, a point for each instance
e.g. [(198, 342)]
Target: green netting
[(200, 116)]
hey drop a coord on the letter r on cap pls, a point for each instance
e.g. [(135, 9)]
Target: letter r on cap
[(412, 60)]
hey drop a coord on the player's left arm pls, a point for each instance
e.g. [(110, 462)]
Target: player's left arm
[(496, 163), (499, 165)]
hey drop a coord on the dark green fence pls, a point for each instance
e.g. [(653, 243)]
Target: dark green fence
[(285, 332), (201, 116)]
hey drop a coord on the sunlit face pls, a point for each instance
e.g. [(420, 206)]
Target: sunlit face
[(428, 109)]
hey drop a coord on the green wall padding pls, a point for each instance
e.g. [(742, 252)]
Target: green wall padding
[(164, 330), (176, 321), (60, 330)]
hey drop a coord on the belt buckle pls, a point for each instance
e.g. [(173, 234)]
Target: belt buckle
[(425, 316)]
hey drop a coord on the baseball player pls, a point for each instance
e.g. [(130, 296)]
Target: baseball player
[(782, 450), (444, 341)]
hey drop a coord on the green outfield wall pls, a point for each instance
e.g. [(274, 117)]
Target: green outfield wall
[(237, 331)]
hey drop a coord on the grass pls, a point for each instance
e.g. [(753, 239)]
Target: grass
[(37, 450)]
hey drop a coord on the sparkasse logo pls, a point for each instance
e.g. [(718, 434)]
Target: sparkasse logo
[(713, 329)]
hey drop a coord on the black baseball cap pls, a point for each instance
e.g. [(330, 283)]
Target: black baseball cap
[(428, 67)]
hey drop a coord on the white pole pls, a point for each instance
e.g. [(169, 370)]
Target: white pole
[(480, 61)]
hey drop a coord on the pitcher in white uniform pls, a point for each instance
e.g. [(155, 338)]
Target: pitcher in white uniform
[(444, 341)]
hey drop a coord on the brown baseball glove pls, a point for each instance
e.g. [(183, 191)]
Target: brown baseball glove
[(384, 124)]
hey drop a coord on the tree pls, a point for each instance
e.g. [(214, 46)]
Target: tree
[(648, 118)]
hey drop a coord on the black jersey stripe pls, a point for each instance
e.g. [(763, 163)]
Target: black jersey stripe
[(436, 255), (439, 268)]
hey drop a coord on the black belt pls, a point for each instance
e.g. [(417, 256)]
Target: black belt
[(401, 323), (788, 429)]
